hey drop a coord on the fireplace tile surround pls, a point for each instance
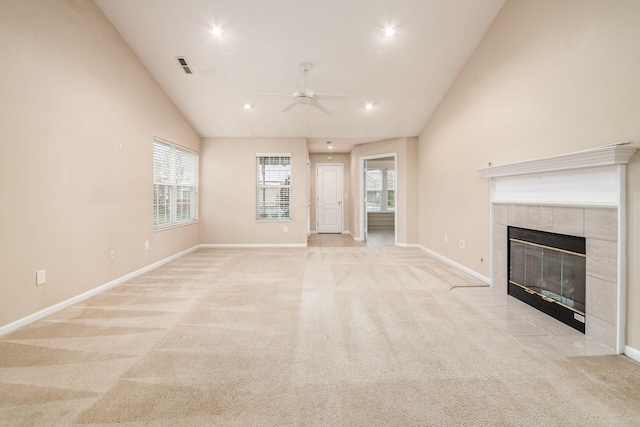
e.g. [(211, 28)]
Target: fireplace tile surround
[(599, 226)]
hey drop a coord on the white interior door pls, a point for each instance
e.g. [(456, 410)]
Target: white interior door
[(329, 198)]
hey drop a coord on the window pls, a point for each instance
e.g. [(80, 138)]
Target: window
[(273, 189), (374, 189), (175, 185), (391, 190), (381, 190)]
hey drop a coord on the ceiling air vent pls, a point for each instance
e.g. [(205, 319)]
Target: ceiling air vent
[(185, 66)]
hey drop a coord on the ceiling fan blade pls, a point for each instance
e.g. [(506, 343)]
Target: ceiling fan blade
[(274, 94), (289, 107), (320, 107), (322, 96)]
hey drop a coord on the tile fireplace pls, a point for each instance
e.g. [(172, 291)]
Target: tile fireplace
[(597, 227), (579, 198)]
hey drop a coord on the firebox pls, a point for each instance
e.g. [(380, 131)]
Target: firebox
[(547, 271)]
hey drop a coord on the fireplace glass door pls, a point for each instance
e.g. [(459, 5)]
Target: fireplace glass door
[(543, 270), (550, 272)]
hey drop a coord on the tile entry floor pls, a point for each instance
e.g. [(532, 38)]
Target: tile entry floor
[(528, 325), (377, 238)]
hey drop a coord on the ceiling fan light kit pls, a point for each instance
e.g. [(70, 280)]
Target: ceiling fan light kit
[(306, 96)]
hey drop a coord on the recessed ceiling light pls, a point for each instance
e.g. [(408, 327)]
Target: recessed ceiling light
[(389, 31), (369, 106), (247, 106), (216, 31)]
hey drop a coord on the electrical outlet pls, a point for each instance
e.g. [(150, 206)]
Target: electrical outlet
[(461, 244), (446, 238), (146, 245), (112, 254), (286, 229), (41, 277)]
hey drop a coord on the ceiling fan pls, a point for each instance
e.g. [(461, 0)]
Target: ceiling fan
[(306, 96)]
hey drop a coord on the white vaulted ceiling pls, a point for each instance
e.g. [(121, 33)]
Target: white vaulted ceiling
[(264, 42)]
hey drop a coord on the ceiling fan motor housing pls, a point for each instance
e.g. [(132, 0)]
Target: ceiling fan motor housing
[(303, 98)]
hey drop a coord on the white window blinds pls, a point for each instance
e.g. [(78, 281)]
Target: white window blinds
[(273, 190), (175, 185)]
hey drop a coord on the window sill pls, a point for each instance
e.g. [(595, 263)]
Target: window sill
[(169, 227)]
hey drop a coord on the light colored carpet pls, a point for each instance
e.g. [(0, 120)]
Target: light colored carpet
[(360, 336)]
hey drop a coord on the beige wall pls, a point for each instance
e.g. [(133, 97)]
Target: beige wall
[(549, 77), (407, 193), (228, 192), (413, 192), (72, 91), (344, 160)]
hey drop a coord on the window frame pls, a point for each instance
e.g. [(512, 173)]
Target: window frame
[(278, 188), (175, 186), (375, 190), (383, 191), (388, 190)]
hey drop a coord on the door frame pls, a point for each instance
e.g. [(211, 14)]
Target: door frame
[(308, 196), (341, 194), (363, 194)]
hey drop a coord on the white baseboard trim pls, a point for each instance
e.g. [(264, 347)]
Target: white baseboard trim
[(357, 239), (408, 245), (632, 353), (346, 232), (455, 264), (313, 232), (253, 245), (95, 291)]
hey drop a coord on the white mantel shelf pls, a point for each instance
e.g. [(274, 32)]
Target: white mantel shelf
[(608, 155)]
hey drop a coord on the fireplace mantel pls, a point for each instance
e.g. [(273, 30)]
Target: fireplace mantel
[(581, 194), (609, 155)]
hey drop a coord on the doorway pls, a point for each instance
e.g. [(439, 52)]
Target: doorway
[(329, 211), (379, 189)]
